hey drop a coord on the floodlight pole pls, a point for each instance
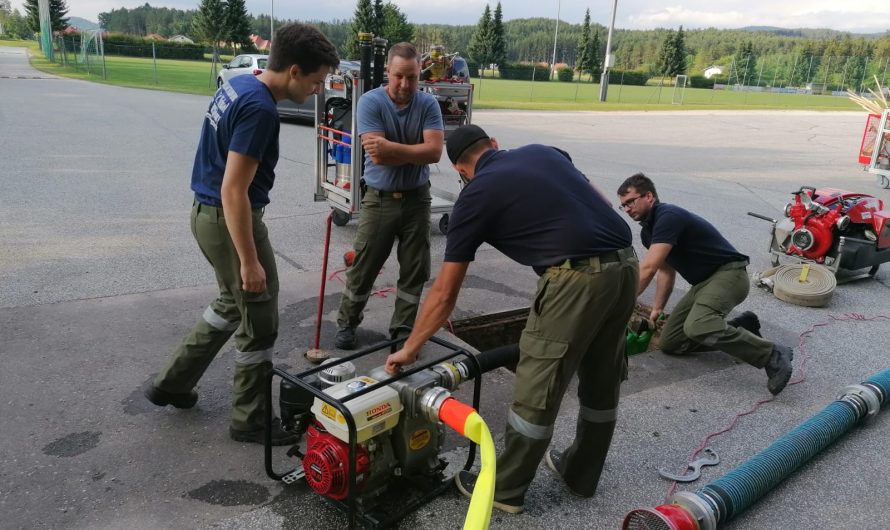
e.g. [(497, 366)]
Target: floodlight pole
[(271, 21), (607, 60), (555, 35)]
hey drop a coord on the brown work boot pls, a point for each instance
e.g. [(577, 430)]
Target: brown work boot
[(779, 368)]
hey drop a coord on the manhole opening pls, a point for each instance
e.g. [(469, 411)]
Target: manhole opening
[(498, 329)]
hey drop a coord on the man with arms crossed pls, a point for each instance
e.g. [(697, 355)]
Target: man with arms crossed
[(402, 133)]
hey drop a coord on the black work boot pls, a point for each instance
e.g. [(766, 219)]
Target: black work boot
[(747, 320), (345, 339), (779, 368), (162, 398), (279, 435), (466, 484)]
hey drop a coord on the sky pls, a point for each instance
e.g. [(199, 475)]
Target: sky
[(858, 16)]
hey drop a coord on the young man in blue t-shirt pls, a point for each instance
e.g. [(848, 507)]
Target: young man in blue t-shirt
[(233, 172), (681, 242)]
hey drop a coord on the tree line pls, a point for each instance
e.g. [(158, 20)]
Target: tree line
[(664, 51)]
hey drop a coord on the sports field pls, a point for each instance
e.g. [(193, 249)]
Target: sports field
[(195, 77)]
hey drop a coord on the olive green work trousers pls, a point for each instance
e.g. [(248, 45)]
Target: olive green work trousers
[(577, 324), (385, 218), (698, 321), (251, 317)]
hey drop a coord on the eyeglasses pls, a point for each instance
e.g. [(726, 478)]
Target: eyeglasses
[(628, 203)]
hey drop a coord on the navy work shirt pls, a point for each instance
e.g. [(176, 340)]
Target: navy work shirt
[(242, 117), (533, 205), (698, 250)]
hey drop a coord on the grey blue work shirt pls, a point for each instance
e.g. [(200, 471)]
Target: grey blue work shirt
[(378, 113)]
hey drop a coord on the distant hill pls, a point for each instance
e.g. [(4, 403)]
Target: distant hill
[(82, 23), (810, 33)]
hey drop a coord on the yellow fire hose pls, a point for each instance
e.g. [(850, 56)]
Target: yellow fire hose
[(468, 423), (802, 284)]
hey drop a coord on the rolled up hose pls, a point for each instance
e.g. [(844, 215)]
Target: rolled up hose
[(466, 421), (803, 284)]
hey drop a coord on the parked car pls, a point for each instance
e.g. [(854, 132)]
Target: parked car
[(253, 64)]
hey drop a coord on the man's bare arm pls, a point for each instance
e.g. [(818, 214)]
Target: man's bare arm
[(384, 152), (654, 260), (240, 171)]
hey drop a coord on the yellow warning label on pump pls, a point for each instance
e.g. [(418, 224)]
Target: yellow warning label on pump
[(332, 413), (419, 439)]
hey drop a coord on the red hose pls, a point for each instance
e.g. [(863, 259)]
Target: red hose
[(324, 276)]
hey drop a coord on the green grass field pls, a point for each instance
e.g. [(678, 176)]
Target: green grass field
[(196, 77), (554, 95)]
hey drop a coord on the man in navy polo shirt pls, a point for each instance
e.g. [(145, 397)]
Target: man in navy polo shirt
[(533, 205), (233, 172), (680, 241)]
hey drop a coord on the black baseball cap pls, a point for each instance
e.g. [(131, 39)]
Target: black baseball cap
[(461, 139)]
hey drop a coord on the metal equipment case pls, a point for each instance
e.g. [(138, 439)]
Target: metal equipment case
[(874, 151)]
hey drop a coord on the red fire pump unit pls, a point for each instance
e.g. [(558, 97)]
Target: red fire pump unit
[(836, 228), (373, 442)]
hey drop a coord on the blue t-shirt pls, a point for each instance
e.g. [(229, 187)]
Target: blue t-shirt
[(378, 113), (242, 117), (533, 205), (698, 250)]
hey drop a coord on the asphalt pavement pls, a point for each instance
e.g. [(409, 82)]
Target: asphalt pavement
[(100, 278)]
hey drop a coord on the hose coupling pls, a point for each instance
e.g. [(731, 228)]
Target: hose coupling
[(701, 510), (431, 401), (866, 395), (449, 374)]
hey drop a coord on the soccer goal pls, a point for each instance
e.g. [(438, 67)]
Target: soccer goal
[(679, 90), (83, 51)]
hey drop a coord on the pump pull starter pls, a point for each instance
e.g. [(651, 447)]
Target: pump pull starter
[(693, 469)]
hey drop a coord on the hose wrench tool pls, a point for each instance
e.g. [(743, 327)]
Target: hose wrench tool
[(693, 469)]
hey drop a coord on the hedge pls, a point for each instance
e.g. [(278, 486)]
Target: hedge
[(627, 77), (132, 46), (565, 74), (525, 72), (700, 81)]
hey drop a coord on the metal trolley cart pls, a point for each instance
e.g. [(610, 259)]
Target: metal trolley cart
[(338, 153), (874, 151)]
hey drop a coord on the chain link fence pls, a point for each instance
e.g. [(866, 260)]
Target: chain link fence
[(783, 81)]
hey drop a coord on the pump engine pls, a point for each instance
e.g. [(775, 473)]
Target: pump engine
[(396, 428)]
